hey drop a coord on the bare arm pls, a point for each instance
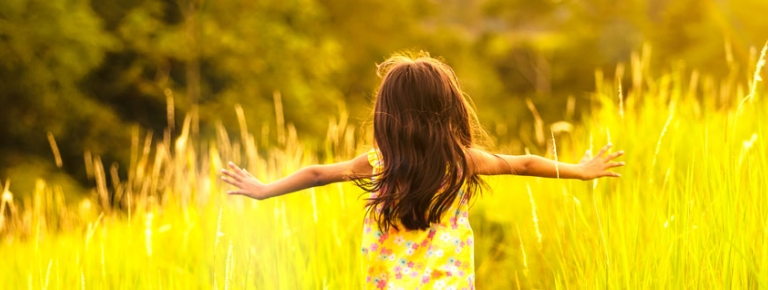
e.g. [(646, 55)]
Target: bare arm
[(310, 176), (485, 163)]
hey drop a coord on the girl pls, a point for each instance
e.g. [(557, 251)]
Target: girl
[(421, 174)]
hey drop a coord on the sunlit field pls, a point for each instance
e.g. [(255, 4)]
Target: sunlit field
[(690, 210)]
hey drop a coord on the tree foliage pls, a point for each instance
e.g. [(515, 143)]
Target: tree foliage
[(88, 71)]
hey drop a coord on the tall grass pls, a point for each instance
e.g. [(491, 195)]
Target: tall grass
[(689, 212)]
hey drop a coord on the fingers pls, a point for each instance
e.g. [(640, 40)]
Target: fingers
[(235, 176), (230, 181), (236, 169), (237, 192), (602, 151), (614, 155), (232, 175), (237, 173), (612, 174), (615, 164), (612, 165)]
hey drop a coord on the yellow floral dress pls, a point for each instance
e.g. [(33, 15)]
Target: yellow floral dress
[(441, 257)]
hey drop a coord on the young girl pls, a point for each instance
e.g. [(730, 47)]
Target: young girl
[(421, 174)]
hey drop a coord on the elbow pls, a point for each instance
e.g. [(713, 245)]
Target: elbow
[(315, 175), (531, 166), (525, 167)]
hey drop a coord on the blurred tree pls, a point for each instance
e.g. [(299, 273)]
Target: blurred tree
[(216, 54), (46, 48), (87, 70)]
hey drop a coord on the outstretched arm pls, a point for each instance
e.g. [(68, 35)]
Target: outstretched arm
[(531, 165), (310, 176)]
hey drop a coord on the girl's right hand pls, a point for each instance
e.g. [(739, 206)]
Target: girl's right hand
[(598, 166), (245, 182)]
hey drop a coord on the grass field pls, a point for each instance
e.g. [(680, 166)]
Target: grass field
[(690, 210)]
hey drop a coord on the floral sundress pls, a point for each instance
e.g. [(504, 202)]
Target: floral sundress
[(441, 257)]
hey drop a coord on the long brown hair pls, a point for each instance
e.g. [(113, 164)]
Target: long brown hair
[(422, 125)]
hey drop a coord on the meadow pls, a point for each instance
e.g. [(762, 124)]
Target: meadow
[(689, 212)]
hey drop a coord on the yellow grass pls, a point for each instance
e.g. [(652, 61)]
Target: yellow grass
[(689, 212)]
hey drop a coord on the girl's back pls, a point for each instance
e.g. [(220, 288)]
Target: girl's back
[(440, 256)]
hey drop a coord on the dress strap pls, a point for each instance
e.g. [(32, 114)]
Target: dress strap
[(374, 158)]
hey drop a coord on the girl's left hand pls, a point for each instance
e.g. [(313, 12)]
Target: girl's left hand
[(592, 168), (245, 182)]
